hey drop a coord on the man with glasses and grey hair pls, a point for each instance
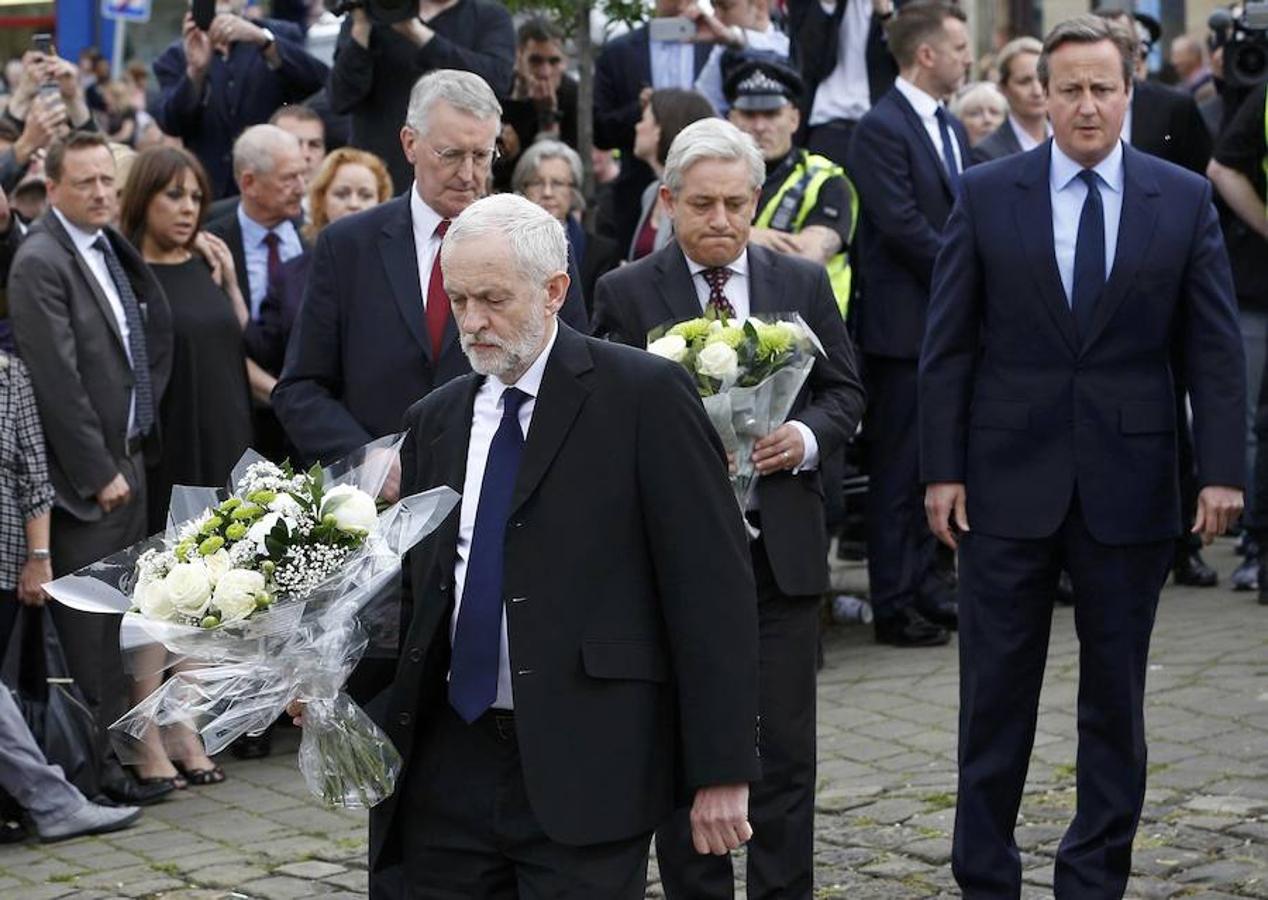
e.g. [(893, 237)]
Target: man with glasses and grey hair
[(375, 333), (713, 177)]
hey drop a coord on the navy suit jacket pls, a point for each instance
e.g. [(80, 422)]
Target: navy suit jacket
[(905, 197), (360, 354), (1025, 411)]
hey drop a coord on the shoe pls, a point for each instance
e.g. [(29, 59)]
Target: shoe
[(1065, 590), (88, 819), (1246, 576), (131, 792), (12, 832), (908, 628), (253, 747), (1191, 570), (215, 775), (942, 611)]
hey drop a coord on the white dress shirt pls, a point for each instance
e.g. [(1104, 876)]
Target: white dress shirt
[(486, 415), (1068, 193), (1023, 136), (926, 108), (426, 241), (1126, 133), (96, 260), (257, 254), (846, 92), (736, 290)]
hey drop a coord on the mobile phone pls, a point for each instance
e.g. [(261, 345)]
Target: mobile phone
[(203, 11), (42, 43), (674, 29)]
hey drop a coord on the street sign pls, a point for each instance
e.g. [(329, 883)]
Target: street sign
[(126, 10)]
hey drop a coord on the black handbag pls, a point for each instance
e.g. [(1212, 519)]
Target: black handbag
[(35, 670)]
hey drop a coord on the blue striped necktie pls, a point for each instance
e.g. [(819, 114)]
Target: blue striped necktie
[(141, 386), (948, 148)]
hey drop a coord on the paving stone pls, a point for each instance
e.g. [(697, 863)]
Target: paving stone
[(281, 887), (314, 870), (226, 876)]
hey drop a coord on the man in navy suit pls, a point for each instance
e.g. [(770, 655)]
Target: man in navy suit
[(1070, 279), (906, 159), (375, 333)]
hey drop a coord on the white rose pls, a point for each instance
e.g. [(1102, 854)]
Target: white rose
[(153, 600), (217, 564), (719, 361), (352, 508), (672, 347), (189, 588), (260, 530), (235, 594)]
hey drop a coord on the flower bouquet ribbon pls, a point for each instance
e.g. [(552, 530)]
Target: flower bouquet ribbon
[(261, 594), (748, 374)]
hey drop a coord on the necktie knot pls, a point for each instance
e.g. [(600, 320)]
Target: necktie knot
[(103, 244), (717, 277), (1088, 176), (271, 240), (512, 399), (442, 229)]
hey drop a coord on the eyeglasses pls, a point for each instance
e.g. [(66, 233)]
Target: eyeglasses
[(452, 157), (540, 184)]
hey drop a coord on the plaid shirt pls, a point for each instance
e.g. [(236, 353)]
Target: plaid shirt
[(25, 491)]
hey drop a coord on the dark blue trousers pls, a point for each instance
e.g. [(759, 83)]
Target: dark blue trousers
[(1006, 600)]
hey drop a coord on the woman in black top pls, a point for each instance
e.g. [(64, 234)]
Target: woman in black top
[(205, 413)]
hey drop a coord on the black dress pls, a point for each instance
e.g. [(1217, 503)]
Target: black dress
[(205, 413)]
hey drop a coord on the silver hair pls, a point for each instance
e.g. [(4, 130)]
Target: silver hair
[(975, 92), (537, 240), (711, 139), (537, 154), (463, 91), (256, 148)]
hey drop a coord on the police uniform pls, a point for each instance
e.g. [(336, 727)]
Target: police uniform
[(803, 188)]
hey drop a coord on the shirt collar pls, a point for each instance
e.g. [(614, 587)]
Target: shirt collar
[(738, 266), (1064, 170), (253, 232), (923, 103), (531, 381), (1023, 136), (83, 240), (425, 218)]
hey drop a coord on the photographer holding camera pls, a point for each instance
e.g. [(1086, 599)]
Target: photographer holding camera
[(226, 75), (385, 46), (47, 103)]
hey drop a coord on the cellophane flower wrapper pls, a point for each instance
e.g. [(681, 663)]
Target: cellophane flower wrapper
[(238, 677), (748, 397)]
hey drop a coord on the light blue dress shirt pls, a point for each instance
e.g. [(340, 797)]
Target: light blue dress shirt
[(257, 255), (1068, 193), (673, 65)]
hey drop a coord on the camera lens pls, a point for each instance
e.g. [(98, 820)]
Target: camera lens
[(1250, 63)]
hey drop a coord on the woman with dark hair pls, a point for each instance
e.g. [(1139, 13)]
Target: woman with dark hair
[(667, 112)]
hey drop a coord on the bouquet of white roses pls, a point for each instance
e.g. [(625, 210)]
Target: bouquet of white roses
[(748, 374), (267, 589)]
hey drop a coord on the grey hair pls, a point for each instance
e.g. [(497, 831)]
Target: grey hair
[(537, 154), (464, 91), (979, 92), (1089, 29), (711, 139), (255, 149), (537, 240)]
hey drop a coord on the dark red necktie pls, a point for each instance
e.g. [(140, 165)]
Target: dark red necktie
[(273, 242), (437, 300), (717, 278)]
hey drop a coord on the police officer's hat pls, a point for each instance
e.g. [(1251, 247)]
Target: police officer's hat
[(763, 85)]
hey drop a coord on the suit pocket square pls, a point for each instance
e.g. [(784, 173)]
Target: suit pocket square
[(1001, 414), (639, 660), (1147, 418)]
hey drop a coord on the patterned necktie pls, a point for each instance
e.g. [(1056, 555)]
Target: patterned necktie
[(477, 639), (142, 389), (437, 312), (717, 278), (1089, 256), (948, 148), (274, 243)]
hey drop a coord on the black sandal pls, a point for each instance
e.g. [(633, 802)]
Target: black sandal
[(202, 777), (177, 782)]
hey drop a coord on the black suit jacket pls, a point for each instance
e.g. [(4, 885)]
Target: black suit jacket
[(634, 641), (1168, 124), (999, 143), (816, 36), (1025, 411), (360, 353), (632, 300), (905, 198)]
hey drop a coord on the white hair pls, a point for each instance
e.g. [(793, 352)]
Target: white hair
[(537, 154), (979, 93), (711, 139), (464, 91), (537, 240), (256, 148)]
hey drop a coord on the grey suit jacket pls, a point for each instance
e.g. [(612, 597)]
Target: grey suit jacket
[(999, 143), (71, 344)]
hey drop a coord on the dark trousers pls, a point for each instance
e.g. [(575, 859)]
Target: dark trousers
[(832, 139), (901, 551), (469, 831), (781, 805), (1006, 600)]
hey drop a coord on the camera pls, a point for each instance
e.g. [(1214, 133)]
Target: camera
[(382, 12), (1245, 43)]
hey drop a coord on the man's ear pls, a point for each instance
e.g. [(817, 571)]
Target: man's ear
[(408, 141), (557, 291)]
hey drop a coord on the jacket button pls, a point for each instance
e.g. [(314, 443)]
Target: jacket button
[(404, 718), (416, 655)]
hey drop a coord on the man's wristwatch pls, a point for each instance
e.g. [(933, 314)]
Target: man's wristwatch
[(40, 553)]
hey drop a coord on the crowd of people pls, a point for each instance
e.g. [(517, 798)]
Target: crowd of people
[(240, 247)]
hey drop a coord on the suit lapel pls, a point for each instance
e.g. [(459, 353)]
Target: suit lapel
[(562, 394), (675, 285), (237, 246), (764, 295), (918, 127), (400, 261), (1135, 230), (55, 228), (1032, 212)]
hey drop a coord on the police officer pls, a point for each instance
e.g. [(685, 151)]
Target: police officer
[(808, 206)]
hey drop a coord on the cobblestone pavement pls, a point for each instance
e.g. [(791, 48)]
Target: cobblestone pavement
[(886, 784)]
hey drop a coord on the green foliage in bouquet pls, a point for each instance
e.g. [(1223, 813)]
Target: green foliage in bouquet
[(722, 353)]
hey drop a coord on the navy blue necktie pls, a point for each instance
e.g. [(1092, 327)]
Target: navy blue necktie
[(137, 350), (948, 148), (477, 639), (1089, 256)]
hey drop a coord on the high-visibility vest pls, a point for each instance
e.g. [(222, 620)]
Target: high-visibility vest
[(790, 206)]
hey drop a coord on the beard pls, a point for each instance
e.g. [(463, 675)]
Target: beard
[(506, 357)]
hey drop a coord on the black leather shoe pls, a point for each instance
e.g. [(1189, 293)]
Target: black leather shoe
[(12, 832), (1191, 570), (1246, 576), (253, 747), (942, 610), (1065, 590), (129, 792), (908, 628)]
